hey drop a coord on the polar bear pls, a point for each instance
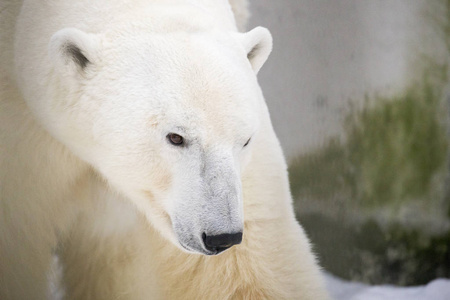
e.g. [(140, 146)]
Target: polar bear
[(136, 145)]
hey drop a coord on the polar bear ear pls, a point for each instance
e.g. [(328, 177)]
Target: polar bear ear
[(72, 50), (258, 44)]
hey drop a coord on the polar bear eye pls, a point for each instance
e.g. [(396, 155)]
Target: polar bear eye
[(247, 142), (175, 139)]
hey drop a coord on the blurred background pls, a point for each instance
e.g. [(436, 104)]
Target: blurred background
[(359, 96)]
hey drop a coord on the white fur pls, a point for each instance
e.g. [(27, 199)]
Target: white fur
[(89, 91)]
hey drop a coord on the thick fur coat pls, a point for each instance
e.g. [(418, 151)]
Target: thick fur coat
[(91, 95)]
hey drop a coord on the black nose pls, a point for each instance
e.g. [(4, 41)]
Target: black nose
[(221, 242)]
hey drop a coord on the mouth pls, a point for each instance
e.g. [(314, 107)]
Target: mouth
[(201, 250)]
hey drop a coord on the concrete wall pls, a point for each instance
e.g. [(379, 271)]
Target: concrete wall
[(376, 204), (327, 52)]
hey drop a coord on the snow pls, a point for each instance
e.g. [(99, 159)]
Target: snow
[(438, 289)]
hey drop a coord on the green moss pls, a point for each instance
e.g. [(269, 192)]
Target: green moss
[(320, 174), (396, 147)]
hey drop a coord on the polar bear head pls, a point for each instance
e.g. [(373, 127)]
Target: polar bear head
[(168, 119)]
